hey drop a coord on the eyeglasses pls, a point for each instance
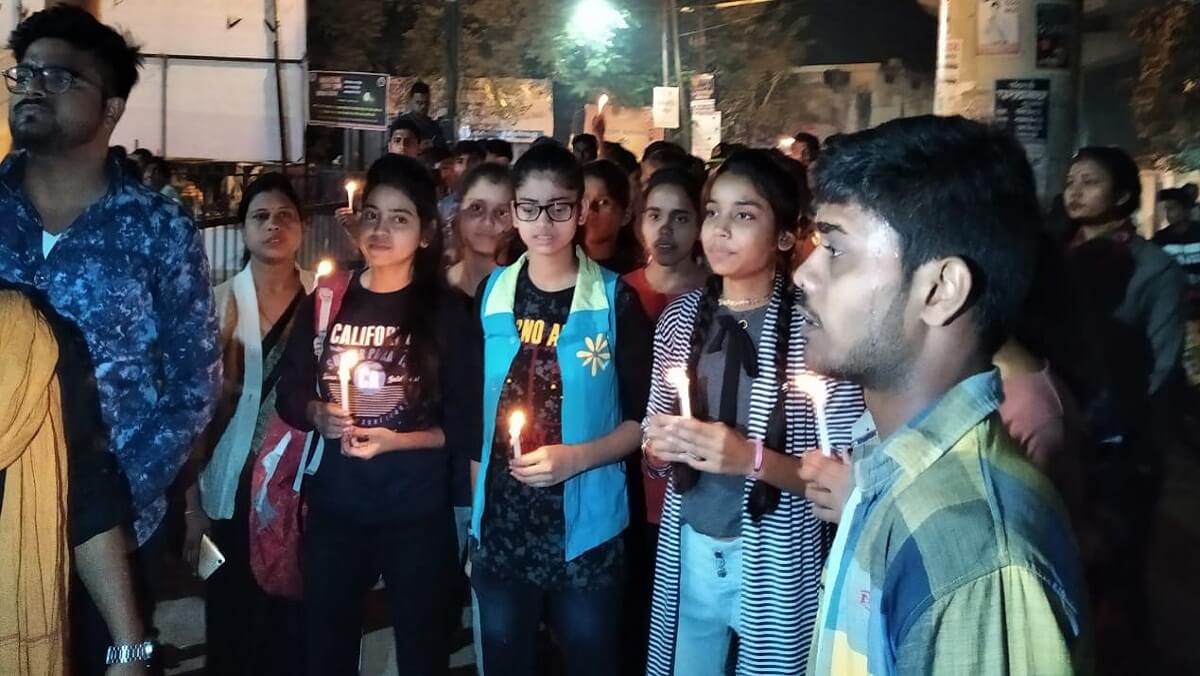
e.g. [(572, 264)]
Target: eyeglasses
[(55, 79), (559, 212)]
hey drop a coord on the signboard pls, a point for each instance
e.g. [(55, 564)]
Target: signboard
[(1055, 27), (999, 27), (666, 107), (1023, 107), (517, 110), (706, 133), (347, 100)]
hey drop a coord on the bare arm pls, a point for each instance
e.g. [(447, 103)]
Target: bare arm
[(103, 565)]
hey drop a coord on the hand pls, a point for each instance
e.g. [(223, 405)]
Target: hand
[(365, 443), (599, 126), (828, 482), (346, 219), (547, 466), (196, 526), (715, 448), (329, 419), (131, 669)]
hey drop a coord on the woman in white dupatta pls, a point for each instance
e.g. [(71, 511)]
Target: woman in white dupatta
[(249, 632)]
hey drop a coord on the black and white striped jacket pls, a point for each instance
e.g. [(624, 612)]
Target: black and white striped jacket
[(783, 554)]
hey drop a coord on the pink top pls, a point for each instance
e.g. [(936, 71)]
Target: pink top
[(1042, 416)]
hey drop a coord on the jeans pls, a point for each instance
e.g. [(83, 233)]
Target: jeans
[(710, 595), (586, 623), (342, 561)]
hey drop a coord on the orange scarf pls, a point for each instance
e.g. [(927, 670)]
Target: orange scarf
[(34, 560)]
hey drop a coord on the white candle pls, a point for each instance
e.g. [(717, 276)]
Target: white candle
[(351, 188), (601, 103), (346, 364), (516, 422), (814, 387), (677, 376)]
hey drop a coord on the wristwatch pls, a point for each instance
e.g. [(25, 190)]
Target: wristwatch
[(129, 653)]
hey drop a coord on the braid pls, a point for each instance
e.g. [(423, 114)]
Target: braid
[(686, 476), (764, 497)]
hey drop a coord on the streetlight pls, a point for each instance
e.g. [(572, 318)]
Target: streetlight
[(594, 22)]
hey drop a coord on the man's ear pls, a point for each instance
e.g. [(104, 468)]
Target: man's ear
[(114, 110), (946, 285)]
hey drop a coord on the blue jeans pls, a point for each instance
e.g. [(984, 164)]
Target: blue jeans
[(586, 623), (710, 599)]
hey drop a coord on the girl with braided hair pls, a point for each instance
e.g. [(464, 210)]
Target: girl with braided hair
[(740, 552)]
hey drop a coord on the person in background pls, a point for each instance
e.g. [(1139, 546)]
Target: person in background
[(498, 151), (608, 235), (615, 152), (739, 550), (484, 219), (157, 177), (63, 502), (404, 137), (418, 113), (566, 344), (805, 149), (586, 148), (124, 264), (141, 157), (918, 217), (248, 631), (465, 156), (396, 449), (661, 155), (1181, 240)]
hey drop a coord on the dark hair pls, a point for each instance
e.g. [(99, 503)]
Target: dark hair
[(948, 187), (264, 183), (799, 174), (143, 153), (666, 155), (498, 147), (813, 143), (406, 124), (117, 59), (545, 140), (585, 144), (418, 87), (1124, 172), (777, 187), (662, 146), (550, 159), (488, 171), (157, 163), (411, 177), (1184, 194), (431, 156), (616, 181), (472, 149), (619, 154), (684, 180)]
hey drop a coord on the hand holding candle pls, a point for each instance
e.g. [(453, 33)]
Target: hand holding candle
[(677, 376), (516, 422), (351, 188), (813, 387), (346, 364)]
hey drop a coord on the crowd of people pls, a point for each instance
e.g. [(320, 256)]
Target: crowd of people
[(855, 409)]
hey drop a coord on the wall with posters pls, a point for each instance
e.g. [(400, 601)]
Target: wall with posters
[(517, 110)]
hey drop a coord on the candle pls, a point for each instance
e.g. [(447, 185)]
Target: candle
[(601, 103), (324, 269), (351, 188), (516, 422), (346, 364), (678, 377), (813, 387)]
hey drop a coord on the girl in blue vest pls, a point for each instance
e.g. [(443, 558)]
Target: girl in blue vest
[(567, 346), (740, 551)]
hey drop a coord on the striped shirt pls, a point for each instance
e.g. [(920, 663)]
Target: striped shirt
[(784, 551), (955, 556)]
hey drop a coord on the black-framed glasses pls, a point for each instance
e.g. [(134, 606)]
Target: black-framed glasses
[(55, 79), (559, 212)]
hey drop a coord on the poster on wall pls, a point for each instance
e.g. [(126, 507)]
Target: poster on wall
[(666, 107), (706, 133), (999, 27), (1055, 28), (1023, 107), (347, 100)]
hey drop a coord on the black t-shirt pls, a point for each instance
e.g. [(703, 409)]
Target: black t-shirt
[(389, 388), (525, 527)]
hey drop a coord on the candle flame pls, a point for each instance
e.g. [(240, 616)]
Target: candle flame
[(813, 386), (678, 377), (351, 187), (516, 422), (324, 268), (602, 102), (347, 363)]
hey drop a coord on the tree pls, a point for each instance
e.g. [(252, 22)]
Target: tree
[(1166, 96)]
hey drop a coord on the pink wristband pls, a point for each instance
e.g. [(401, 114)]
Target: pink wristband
[(758, 457)]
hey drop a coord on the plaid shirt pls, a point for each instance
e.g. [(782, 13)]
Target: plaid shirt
[(956, 557)]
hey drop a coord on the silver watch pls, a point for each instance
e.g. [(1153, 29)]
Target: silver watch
[(129, 653)]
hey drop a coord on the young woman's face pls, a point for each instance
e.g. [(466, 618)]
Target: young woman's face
[(739, 235), (272, 228), (1090, 194), (546, 215), (391, 231), (670, 225), (484, 216), (605, 216)]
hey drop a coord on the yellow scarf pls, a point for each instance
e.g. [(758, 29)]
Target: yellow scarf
[(34, 561)]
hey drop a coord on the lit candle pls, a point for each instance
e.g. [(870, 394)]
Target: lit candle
[(677, 376), (324, 269), (813, 387), (601, 103), (351, 188), (346, 366), (516, 422)]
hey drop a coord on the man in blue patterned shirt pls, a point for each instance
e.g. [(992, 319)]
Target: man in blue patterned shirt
[(123, 263)]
